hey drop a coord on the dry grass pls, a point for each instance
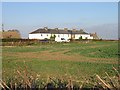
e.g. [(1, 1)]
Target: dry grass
[(47, 55), (10, 34), (23, 78)]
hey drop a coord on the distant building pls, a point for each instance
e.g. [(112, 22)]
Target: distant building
[(94, 35), (59, 34)]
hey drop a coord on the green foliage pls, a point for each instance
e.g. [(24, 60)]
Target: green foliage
[(80, 38), (52, 38), (11, 40)]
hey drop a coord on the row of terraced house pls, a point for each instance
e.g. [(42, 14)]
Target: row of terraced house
[(61, 35)]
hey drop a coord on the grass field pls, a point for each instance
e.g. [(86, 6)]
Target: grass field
[(72, 59), (76, 61)]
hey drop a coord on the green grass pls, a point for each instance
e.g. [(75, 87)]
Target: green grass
[(54, 68), (99, 49), (80, 48), (99, 52), (24, 49)]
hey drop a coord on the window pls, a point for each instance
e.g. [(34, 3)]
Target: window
[(41, 34), (58, 35), (47, 34), (68, 35), (62, 39)]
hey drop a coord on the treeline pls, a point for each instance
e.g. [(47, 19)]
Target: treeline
[(18, 42), (24, 42)]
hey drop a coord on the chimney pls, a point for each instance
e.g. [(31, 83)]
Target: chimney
[(73, 29), (81, 30), (56, 28), (46, 28), (65, 28)]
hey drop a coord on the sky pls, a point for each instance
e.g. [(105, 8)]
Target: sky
[(100, 17)]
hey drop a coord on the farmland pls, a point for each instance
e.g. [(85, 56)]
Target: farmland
[(77, 60)]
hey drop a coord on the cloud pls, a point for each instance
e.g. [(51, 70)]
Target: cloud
[(105, 31)]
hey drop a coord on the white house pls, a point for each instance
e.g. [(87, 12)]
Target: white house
[(59, 34)]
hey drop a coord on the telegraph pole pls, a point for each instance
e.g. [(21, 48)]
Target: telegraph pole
[(3, 27)]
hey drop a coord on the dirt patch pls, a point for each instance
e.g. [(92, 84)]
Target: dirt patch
[(47, 55)]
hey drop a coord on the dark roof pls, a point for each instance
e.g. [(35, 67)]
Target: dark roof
[(57, 31), (54, 31), (79, 32), (40, 31)]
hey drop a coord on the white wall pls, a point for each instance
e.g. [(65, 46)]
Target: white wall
[(58, 36), (91, 37), (40, 36), (65, 36), (84, 36)]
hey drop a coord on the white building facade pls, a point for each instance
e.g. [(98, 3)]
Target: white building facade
[(59, 35), (84, 36), (40, 36)]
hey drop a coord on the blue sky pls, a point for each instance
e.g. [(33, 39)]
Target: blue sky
[(28, 16)]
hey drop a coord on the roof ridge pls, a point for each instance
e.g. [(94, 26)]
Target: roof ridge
[(57, 31)]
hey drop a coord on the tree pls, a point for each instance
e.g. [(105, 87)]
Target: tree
[(52, 38), (80, 38)]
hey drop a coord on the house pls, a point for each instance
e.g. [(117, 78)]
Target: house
[(59, 35), (94, 35)]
